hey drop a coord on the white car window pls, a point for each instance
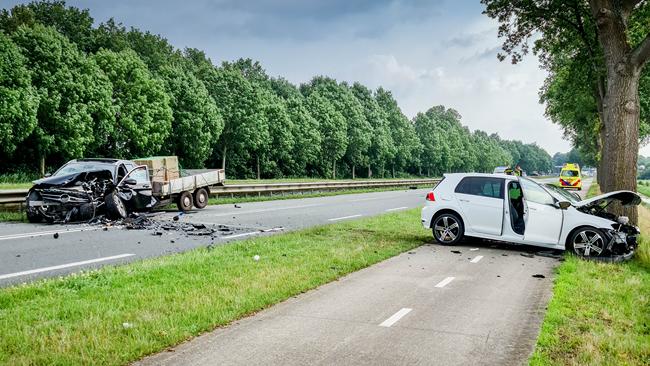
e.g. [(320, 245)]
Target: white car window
[(534, 193)]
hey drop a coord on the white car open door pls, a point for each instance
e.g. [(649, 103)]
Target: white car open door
[(543, 219)]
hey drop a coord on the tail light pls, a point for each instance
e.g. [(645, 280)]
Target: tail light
[(430, 196)]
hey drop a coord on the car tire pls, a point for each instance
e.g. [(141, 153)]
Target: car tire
[(587, 242), (184, 201), (115, 208), (447, 228), (200, 198)]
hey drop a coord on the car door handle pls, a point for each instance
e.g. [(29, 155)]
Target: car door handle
[(462, 200)]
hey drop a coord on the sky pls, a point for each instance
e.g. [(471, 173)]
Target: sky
[(427, 52)]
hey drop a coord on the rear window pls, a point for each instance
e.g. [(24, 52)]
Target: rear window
[(481, 186)]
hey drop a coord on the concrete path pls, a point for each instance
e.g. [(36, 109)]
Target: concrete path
[(426, 307)]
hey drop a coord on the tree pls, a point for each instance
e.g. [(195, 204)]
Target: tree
[(18, 99), (359, 130), (74, 94), (196, 121), (143, 118), (381, 141), (401, 129), (616, 62), (333, 127), (73, 23)]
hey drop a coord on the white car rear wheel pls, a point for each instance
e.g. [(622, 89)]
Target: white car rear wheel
[(448, 229)]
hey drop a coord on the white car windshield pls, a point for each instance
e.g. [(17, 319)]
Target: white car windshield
[(79, 166), (561, 194)]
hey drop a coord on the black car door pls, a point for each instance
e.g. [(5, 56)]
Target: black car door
[(138, 196)]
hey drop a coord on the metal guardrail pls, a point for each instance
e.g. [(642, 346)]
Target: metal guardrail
[(17, 196)]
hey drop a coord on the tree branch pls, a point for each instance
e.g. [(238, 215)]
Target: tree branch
[(641, 53)]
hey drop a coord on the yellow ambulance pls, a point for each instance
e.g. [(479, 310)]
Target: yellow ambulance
[(570, 176)]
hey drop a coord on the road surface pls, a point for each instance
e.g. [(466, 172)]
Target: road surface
[(30, 251)]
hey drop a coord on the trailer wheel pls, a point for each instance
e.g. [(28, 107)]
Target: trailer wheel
[(184, 201), (200, 198)]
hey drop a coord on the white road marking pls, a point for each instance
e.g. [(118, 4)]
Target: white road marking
[(344, 217), (478, 258), (43, 233), (240, 235), (445, 282), (397, 316), (74, 264), (231, 213), (396, 209)]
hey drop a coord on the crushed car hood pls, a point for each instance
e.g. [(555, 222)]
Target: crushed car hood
[(71, 179), (626, 198)]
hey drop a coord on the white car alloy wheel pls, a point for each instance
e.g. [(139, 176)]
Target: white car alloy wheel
[(588, 242), (447, 229)]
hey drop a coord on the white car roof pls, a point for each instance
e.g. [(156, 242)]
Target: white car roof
[(486, 175)]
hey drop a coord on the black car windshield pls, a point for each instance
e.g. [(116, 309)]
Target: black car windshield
[(561, 193), (81, 166)]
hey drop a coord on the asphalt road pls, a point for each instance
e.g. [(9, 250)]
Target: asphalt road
[(30, 251)]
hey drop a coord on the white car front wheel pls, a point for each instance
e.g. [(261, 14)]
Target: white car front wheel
[(588, 242)]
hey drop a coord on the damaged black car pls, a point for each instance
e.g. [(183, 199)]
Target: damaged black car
[(83, 189)]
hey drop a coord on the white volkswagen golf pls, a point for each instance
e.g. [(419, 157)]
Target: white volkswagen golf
[(522, 211)]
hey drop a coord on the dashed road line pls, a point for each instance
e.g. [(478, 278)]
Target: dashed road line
[(478, 258), (396, 209), (395, 318), (62, 266), (445, 282), (344, 217)]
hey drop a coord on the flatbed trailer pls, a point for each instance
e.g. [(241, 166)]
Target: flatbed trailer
[(188, 191)]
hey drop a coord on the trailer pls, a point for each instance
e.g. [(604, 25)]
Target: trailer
[(188, 191)]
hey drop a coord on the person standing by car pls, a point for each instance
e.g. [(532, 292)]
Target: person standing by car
[(518, 172)]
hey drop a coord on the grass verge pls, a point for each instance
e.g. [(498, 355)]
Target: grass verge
[(600, 312), (79, 319), (12, 216)]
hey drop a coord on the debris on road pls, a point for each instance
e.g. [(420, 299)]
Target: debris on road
[(557, 254), (527, 255), (473, 249), (456, 251), (237, 206), (56, 235), (539, 276)]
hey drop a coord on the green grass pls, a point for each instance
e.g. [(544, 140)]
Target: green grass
[(12, 216), (79, 319), (15, 185), (600, 312)]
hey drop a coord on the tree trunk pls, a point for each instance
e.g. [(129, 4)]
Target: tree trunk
[(257, 162), (393, 170), (333, 169), (369, 172), (621, 143), (223, 157), (42, 166), (353, 172)]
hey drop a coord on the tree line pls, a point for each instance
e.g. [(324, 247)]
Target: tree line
[(69, 89)]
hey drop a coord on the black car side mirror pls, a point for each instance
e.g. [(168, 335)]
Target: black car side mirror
[(563, 205), (130, 182)]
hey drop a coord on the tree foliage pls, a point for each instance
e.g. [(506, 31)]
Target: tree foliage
[(69, 89)]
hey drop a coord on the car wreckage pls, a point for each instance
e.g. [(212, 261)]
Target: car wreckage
[(84, 189)]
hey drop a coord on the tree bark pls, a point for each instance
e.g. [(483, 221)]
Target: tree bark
[(333, 169), (42, 166), (621, 108), (223, 157), (369, 172), (257, 162), (353, 172)]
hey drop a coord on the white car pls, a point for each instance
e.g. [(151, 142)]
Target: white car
[(522, 211)]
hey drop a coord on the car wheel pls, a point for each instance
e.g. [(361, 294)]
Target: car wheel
[(115, 207), (587, 242), (184, 202), (448, 229), (200, 198)]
